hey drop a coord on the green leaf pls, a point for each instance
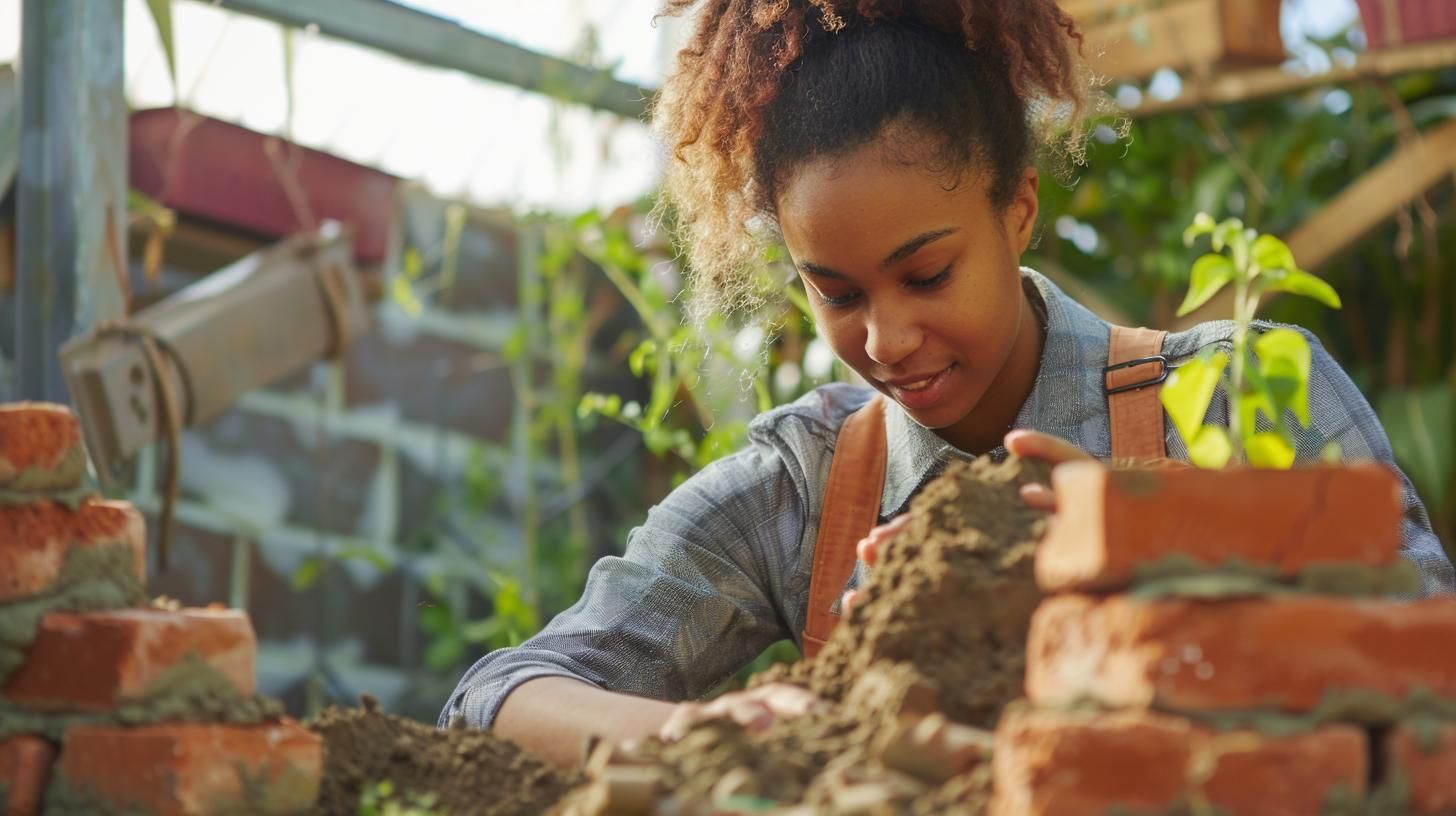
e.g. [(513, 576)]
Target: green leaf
[(377, 560), (1253, 403), (641, 359), (1189, 389), (413, 263), (404, 296), (1269, 450), (1210, 274), (1211, 448), (307, 573), (590, 218), (1332, 452), (1421, 423), (1203, 224), (1284, 363), (444, 652), (161, 11), (1227, 233), (515, 346), (1299, 282), (1271, 253)]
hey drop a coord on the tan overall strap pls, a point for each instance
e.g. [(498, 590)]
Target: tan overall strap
[(851, 508), (1135, 370)]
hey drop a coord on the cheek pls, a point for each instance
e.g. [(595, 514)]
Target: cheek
[(844, 334)]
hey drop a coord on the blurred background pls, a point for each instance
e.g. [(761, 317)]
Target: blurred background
[(392, 494)]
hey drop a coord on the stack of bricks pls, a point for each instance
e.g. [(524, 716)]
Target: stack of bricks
[(1211, 646), (108, 703)]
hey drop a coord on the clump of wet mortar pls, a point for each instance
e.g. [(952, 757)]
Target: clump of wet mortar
[(952, 595), (467, 770), (947, 607), (91, 579)]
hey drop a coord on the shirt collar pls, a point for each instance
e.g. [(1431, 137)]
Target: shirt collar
[(1066, 400)]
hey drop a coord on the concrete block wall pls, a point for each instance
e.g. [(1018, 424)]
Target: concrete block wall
[(370, 455)]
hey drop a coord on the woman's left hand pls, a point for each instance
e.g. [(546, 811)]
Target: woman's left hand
[(1053, 450)]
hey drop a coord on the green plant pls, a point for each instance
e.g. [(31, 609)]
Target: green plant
[(1267, 375), (381, 800)]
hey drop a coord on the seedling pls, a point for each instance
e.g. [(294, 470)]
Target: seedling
[(1267, 374)]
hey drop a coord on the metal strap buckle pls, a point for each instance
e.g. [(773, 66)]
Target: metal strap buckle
[(1163, 369)]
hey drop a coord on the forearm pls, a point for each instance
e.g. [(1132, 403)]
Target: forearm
[(553, 716)]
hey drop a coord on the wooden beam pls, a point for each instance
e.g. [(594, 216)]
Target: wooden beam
[(430, 40), (1244, 85), (71, 190), (1183, 34), (1366, 204), (1086, 12)]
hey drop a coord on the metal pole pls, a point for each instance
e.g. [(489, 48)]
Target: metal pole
[(71, 185)]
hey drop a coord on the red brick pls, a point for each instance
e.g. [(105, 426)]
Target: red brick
[(1279, 653), (1050, 763), (1428, 771), (93, 661), (42, 442), (193, 768), (1111, 522), (36, 538), (25, 766)]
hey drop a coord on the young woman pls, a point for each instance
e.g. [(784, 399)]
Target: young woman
[(889, 144)]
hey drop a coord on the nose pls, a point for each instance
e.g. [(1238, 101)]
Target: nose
[(892, 334)]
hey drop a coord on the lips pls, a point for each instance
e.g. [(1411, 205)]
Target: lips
[(920, 391), (915, 383)]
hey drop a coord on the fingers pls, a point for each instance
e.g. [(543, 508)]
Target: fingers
[(850, 596), (683, 717), (754, 709), (787, 700), (868, 548), (1036, 445), (1039, 497)]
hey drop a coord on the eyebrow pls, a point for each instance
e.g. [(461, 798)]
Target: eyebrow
[(902, 252)]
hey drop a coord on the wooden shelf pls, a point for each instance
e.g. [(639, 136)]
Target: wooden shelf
[(1229, 87)]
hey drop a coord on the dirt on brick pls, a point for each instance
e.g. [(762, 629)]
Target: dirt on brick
[(467, 772)]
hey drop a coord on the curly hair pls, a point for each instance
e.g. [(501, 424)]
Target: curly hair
[(765, 85)]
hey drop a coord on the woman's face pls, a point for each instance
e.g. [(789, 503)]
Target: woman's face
[(917, 287)]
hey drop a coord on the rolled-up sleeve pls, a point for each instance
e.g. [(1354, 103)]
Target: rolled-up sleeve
[(1339, 412), (697, 594)]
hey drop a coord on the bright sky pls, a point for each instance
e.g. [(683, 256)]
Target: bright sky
[(461, 136)]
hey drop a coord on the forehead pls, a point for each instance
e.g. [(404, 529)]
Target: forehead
[(865, 201)]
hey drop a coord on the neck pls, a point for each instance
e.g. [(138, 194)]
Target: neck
[(985, 428)]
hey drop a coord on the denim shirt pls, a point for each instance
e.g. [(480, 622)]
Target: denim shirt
[(720, 569)]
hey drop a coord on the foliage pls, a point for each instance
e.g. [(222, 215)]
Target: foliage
[(676, 357), (595, 292), (381, 800), (1112, 235), (1268, 375)]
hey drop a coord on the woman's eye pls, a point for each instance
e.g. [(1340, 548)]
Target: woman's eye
[(840, 300), (934, 280)]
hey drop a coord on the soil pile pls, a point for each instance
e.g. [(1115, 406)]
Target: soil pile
[(872, 753), (952, 595), (462, 771), (928, 657)]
